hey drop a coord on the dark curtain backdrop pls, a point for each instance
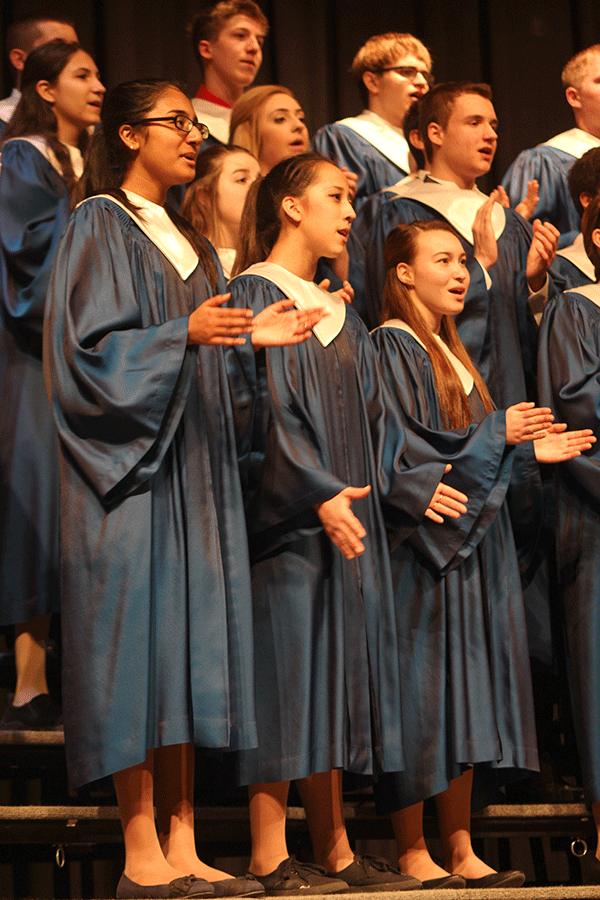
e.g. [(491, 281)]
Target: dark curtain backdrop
[(517, 46)]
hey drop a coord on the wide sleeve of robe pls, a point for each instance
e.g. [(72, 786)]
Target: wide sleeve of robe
[(481, 462), (118, 376), (34, 208), (295, 425), (569, 375)]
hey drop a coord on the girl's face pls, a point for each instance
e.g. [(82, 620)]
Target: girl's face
[(165, 155), (438, 277), (237, 174), (324, 214), (76, 97), (282, 131)]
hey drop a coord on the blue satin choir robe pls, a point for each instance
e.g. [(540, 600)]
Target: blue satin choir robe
[(550, 166), (569, 372), (34, 208), (495, 326), (324, 627), (462, 642), (345, 147), (157, 631)]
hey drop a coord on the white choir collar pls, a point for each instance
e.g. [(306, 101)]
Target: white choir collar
[(591, 291), (575, 254), (463, 373), (459, 206), (386, 138), (306, 295), (41, 144), (157, 225), (575, 142)]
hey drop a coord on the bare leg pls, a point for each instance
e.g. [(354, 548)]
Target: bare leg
[(30, 657), (174, 773), (322, 798), (596, 814), (268, 804), (145, 862), (454, 816), (413, 855)]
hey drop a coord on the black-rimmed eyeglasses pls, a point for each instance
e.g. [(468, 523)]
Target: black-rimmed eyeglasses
[(181, 122), (410, 73)]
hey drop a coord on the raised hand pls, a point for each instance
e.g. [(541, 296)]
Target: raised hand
[(541, 253), (210, 324), (485, 247), (559, 444), (527, 422), (446, 501), (351, 181), (340, 524), (526, 207), (281, 323)]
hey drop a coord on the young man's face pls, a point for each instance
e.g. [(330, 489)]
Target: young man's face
[(465, 148), (236, 54), (392, 92), (586, 98)]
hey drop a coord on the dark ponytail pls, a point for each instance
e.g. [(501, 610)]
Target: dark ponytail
[(261, 218)]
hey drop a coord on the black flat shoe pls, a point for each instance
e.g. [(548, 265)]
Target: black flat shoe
[(244, 886), (455, 882), (512, 878), (40, 714), (186, 886), (369, 873)]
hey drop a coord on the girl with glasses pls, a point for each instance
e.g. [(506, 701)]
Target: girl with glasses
[(157, 624)]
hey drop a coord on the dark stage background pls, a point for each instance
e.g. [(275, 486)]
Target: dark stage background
[(517, 46)]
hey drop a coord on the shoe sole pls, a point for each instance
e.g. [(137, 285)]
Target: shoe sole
[(309, 889), (372, 888)]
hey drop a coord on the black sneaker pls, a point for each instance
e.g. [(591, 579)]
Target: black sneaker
[(368, 873), (293, 877), (40, 714)]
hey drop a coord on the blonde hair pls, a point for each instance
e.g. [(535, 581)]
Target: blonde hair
[(383, 50), (575, 70), (243, 130), (401, 246)]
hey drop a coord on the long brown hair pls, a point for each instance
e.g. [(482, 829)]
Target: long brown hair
[(34, 116), (261, 218), (401, 246), (200, 205), (109, 159)]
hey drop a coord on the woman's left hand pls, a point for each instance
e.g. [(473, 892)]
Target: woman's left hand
[(559, 444), (281, 323), (446, 501)]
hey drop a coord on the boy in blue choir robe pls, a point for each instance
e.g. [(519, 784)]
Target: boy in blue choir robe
[(392, 71), (458, 125), (549, 163)]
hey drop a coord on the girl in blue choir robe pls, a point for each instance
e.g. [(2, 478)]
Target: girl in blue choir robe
[(154, 570), (41, 158), (496, 326), (321, 439), (462, 643), (568, 369)]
